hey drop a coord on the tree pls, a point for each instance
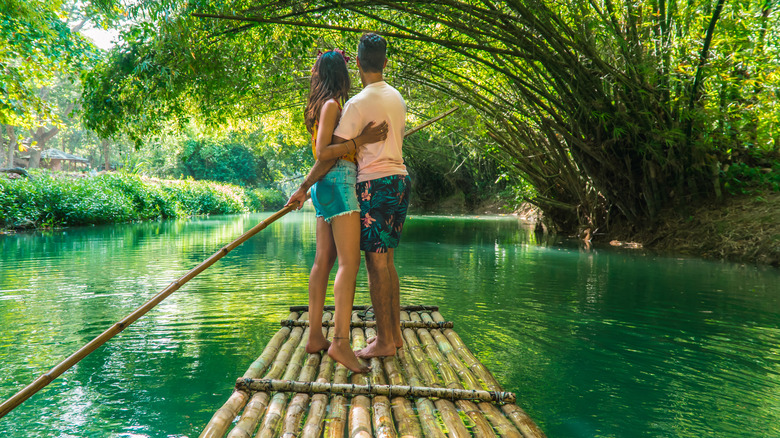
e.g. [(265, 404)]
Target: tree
[(608, 109)]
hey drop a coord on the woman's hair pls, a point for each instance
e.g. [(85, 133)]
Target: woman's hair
[(329, 80)]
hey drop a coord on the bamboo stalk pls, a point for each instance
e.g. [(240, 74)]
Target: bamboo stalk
[(39, 383), (360, 410), (299, 404), (425, 407), (223, 418), (447, 409), (319, 402), (522, 421), (403, 410), (258, 404), (305, 308), (372, 324), (383, 417), (287, 386), (481, 426), (469, 359), (336, 421), (517, 418), (273, 417)]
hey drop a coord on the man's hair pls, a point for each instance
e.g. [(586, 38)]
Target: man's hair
[(372, 52)]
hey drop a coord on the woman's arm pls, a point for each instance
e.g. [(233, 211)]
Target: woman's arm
[(330, 148)]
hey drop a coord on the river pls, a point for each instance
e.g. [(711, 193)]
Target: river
[(596, 343)]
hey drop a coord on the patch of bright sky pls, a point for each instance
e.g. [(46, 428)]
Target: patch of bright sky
[(104, 39)]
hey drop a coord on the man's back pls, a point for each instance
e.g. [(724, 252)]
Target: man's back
[(377, 102)]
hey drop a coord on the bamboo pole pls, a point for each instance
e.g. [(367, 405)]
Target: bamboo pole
[(225, 415), (407, 423), (481, 426), (408, 308), (299, 404), (425, 407), (514, 413), (447, 409), (469, 359), (287, 386), (372, 324), (336, 420), (41, 382), (319, 402), (258, 403), (380, 404), (360, 409), (252, 414), (272, 421), (493, 415)]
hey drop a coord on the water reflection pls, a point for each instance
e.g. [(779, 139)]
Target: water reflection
[(595, 342)]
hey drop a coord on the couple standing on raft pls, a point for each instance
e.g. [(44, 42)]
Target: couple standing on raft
[(360, 191)]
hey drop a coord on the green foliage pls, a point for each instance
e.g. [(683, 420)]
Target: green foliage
[(49, 200), (36, 46), (742, 179), (606, 108), (224, 161)]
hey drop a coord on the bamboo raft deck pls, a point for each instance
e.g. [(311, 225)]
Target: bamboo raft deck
[(433, 387)]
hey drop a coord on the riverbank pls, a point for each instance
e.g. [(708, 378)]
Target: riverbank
[(743, 228), (739, 229), (52, 199)]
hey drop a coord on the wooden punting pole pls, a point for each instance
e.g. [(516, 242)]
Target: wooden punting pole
[(386, 390)]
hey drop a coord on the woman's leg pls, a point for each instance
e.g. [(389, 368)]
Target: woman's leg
[(346, 234), (324, 259)]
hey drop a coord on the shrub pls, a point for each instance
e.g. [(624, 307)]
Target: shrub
[(52, 200)]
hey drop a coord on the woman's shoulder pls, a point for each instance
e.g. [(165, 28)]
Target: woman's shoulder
[(331, 107)]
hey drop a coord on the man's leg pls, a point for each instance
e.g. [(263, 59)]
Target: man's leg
[(379, 286), (395, 299)]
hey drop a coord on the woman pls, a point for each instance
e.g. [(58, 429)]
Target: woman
[(335, 202)]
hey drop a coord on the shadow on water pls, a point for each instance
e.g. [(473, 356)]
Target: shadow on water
[(596, 343)]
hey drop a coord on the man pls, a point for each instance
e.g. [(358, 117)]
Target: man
[(383, 188)]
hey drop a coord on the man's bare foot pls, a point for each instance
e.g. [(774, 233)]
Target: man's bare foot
[(317, 345), (398, 344), (342, 353), (375, 349)]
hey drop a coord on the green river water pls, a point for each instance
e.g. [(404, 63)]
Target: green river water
[(596, 343)]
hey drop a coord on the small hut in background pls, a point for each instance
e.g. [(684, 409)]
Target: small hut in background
[(53, 158)]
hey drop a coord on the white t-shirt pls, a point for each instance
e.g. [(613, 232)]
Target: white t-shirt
[(377, 102)]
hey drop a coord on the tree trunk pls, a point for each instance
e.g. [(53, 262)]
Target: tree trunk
[(104, 146), (12, 145)]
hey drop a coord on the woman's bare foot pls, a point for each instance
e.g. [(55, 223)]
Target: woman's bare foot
[(375, 349), (315, 345), (398, 344), (342, 353)]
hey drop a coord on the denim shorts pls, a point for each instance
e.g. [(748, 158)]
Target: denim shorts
[(334, 195)]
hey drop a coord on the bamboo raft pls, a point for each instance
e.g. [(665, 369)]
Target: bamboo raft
[(433, 387)]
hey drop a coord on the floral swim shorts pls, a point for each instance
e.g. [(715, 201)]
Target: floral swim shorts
[(383, 204), (334, 194)]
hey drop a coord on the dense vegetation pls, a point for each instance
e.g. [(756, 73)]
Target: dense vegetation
[(48, 200), (597, 111)]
